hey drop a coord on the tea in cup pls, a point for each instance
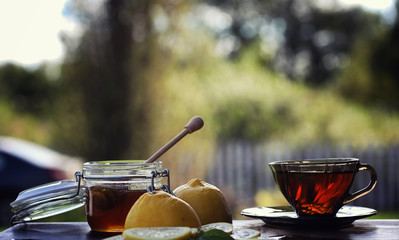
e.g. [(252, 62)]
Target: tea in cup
[(320, 187)]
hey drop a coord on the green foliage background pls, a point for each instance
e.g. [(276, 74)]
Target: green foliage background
[(240, 99), (125, 99)]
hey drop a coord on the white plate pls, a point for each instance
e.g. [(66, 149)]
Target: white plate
[(285, 216)]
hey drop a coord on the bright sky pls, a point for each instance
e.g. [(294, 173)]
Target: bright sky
[(29, 29), (369, 4)]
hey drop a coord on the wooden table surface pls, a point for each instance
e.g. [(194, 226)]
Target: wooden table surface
[(360, 229)]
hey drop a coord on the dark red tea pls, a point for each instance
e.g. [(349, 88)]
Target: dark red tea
[(107, 208), (315, 193)]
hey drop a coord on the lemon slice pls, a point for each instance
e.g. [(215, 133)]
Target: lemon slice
[(224, 226), (245, 233), (157, 233), (117, 237), (194, 232)]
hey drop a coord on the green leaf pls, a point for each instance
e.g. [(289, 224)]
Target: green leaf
[(214, 234)]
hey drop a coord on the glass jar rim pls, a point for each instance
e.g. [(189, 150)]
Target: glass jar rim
[(119, 169), (105, 163), (316, 161)]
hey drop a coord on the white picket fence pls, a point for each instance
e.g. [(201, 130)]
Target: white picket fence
[(243, 166)]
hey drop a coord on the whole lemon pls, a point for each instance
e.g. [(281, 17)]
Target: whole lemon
[(206, 199), (160, 209)]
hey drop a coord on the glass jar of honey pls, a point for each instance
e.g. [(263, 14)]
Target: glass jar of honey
[(109, 189), (112, 187)]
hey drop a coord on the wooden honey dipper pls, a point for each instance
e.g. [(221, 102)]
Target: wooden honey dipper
[(193, 125)]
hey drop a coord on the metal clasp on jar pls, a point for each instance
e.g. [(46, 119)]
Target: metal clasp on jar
[(165, 187)]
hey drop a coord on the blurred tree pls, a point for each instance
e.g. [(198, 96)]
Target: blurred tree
[(28, 91), (323, 40), (372, 77), (313, 39), (384, 63), (108, 104), (246, 119)]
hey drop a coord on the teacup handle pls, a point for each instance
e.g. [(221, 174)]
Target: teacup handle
[(364, 191)]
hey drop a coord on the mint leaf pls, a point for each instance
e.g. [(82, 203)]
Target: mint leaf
[(214, 234)]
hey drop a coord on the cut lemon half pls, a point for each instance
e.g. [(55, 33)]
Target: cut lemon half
[(245, 233), (161, 209), (180, 233), (224, 226)]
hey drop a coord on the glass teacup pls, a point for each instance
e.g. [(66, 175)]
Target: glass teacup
[(320, 187)]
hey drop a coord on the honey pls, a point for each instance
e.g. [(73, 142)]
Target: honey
[(107, 208), (111, 189)]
